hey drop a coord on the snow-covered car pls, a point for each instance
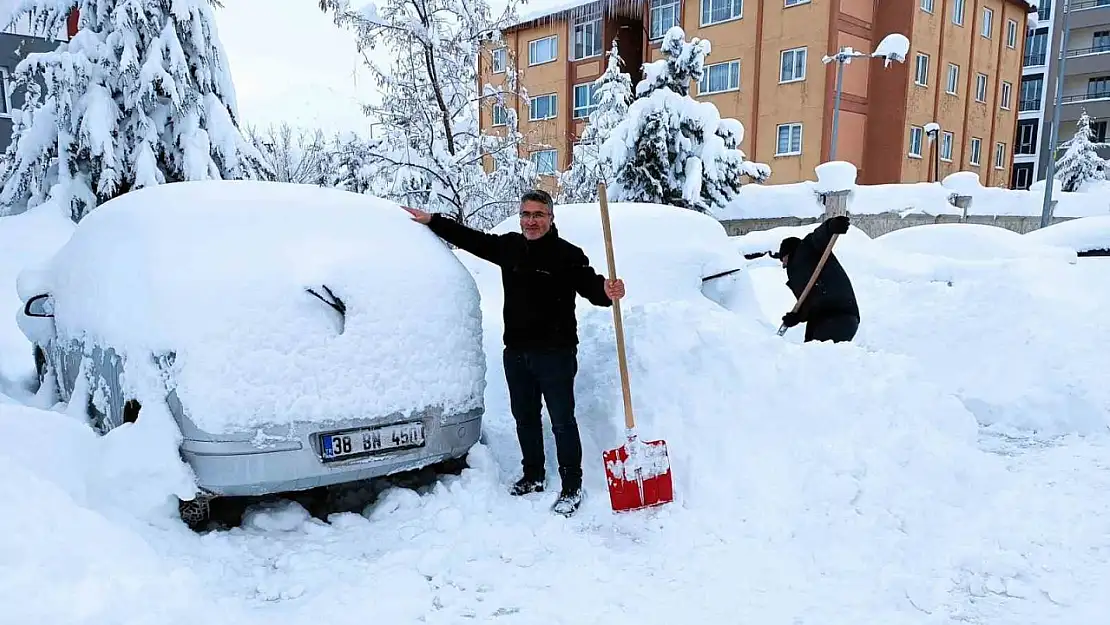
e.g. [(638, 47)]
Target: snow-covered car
[(1087, 236), (299, 337)]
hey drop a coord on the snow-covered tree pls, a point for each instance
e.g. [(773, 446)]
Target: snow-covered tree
[(299, 156), (350, 163), (1080, 163), (672, 149), (612, 95), (516, 175), (432, 152), (140, 96)]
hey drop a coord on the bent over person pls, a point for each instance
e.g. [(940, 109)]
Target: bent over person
[(830, 311), (541, 274)]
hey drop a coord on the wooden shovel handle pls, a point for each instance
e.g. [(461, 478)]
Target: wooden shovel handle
[(629, 421), (813, 278)]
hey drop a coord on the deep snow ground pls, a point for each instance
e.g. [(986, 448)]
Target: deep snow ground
[(951, 466)]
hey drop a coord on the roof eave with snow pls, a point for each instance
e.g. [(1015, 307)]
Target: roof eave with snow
[(566, 9)]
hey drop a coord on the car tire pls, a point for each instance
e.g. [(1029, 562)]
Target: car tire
[(196, 512)]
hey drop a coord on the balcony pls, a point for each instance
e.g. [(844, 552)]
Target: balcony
[(1083, 61), (1096, 103), (1025, 106), (1035, 59), (1086, 13)]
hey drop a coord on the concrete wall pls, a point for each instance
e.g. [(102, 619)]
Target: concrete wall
[(875, 225)]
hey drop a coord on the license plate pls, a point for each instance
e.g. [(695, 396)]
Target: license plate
[(354, 443)]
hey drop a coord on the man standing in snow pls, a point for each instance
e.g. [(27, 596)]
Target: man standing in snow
[(541, 273), (830, 310)]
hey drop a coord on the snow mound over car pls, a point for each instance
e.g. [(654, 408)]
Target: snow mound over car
[(282, 303), (970, 242), (1085, 234)]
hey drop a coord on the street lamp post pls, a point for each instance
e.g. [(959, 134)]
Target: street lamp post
[(1054, 131), (933, 130), (893, 47)]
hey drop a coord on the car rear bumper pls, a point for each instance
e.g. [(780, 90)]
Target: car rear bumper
[(250, 469)]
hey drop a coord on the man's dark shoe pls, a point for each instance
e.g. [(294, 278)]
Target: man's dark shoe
[(569, 500), (526, 485)]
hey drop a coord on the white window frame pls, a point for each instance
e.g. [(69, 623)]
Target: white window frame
[(1011, 34), (535, 158), (790, 140), (959, 8), (981, 87), (504, 115), (583, 24), (988, 23), (947, 140), (793, 52), (976, 155), (999, 155), (794, 3), (498, 56), (579, 111), (703, 84), (5, 92), (532, 107), (658, 8), (928, 5), (533, 44), (917, 136), (736, 6), (953, 85), (917, 79), (1007, 95)]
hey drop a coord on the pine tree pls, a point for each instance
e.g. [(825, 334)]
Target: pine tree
[(671, 149), (140, 96), (1080, 163), (432, 152), (612, 94)]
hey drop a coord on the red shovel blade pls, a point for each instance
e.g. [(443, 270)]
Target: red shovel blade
[(641, 482)]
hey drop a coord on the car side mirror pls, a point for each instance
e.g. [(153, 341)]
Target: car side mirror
[(39, 306)]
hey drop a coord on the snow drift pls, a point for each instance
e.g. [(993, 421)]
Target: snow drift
[(218, 272)]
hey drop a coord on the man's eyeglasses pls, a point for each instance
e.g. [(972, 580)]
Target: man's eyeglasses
[(533, 215)]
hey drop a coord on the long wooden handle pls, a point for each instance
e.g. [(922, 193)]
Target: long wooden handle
[(812, 279), (629, 421)]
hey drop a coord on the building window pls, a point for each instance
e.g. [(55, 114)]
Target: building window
[(1011, 34), (663, 15), (1036, 48), (927, 6), (794, 3), (500, 115), (1098, 132), (921, 75), (1101, 41), (790, 140), (980, 87), (958, 12), (545, 161), (1097, 88), (543, 50), (1026, 143), (720, 77), (543, 107), (1023, 176), (717, 11), (585, 103), (1007, 95), (917, 135), (946, 141), (988, 26), (1031, 88), (976, 151), (953, 78), (1044, 11), (5, 93), (498, 61), (792, 65), (999, 156), (586, 37)]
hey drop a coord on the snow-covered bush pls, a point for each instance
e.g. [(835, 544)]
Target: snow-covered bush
[(432, 153), (671, 149), (1080, 163), (612, 96), (140, 96)]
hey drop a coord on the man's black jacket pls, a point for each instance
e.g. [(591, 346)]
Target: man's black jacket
[(832, 294), (540, 279)]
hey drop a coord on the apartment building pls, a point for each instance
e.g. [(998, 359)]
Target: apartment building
[(765, 69), (1086, 83)]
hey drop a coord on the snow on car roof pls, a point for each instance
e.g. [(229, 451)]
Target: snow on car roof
[(219, 271), (1082, 235)]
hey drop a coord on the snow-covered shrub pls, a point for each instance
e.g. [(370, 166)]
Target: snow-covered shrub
[(1080, 163)]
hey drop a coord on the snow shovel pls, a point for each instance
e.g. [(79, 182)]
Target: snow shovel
[(812, 279), (638, 472)]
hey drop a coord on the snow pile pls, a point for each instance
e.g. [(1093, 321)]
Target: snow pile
[(1082, 235), (970, 242), (835, 176), (219, 273), (893, 47), (26, 240)]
